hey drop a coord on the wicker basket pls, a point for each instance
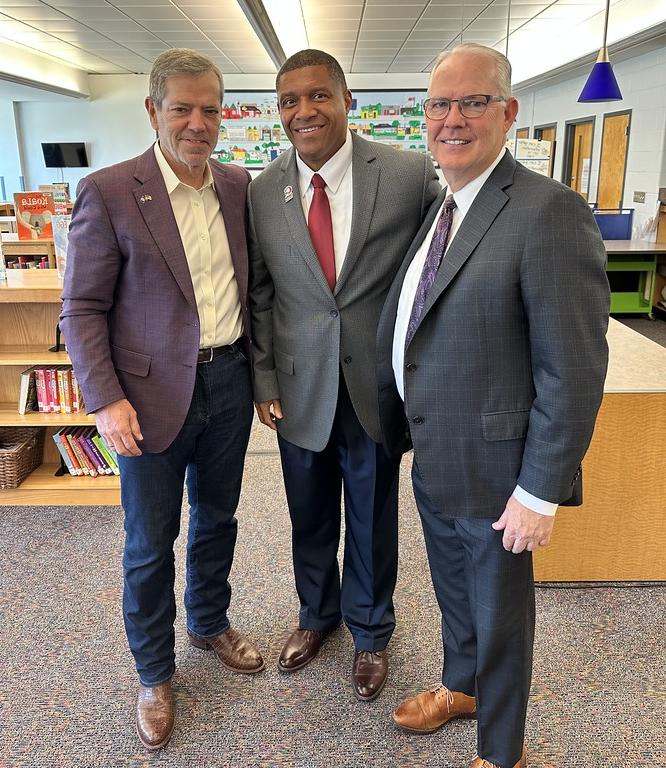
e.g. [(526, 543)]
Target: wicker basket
[(21, 450)]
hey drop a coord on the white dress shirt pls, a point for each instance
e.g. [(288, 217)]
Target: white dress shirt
[(464, 198), (337, 173), (204, 237)]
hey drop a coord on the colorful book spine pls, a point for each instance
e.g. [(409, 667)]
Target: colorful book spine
[(102, 464), (76, 435), (92, 459), (77, 452), (75, 393), (108, 454), (63, 434), (60, 445), (40, 380), (67, 388)]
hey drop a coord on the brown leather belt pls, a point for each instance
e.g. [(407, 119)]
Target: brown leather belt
[(208, 354)]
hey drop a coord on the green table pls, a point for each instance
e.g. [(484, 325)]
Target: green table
[(638, 259)]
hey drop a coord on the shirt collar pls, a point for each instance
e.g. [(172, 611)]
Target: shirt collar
[(172, 181), (464, 197), (332, 171)]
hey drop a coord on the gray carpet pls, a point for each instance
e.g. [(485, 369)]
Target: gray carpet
[(67, 685), (653, 329)]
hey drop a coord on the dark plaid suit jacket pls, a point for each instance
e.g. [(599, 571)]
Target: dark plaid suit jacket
[(505, 373)]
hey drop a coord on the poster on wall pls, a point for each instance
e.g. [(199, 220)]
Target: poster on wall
[(534, 154), (251, 134)]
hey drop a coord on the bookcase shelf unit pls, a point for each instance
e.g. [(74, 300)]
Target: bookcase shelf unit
[(29, 309)]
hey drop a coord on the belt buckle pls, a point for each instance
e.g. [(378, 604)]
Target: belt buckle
[(211, 350)]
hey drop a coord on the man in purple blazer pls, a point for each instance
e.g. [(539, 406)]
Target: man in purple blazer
[(156, 323)]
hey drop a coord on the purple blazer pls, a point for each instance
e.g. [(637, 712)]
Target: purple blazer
[(129, 315)]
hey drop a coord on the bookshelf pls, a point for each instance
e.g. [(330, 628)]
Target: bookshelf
[(29, 309)]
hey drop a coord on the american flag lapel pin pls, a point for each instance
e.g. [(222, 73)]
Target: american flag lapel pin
[(288, 193)]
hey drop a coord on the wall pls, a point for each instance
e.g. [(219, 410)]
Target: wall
[(642, 80), (10, 166), (113, 124)]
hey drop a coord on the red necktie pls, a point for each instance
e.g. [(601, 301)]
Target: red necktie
[(321, 229)]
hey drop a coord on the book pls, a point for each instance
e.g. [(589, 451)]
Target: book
[(77, 452), (107, 453), (60, 242), (40, 382), (27, 400), (94, 466), (76, 437), (76, 399), (60, 444), (62, 435), (34, 212), (105, 467)]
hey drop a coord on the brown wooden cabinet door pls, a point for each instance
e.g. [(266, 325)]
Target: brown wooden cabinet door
[(613, 163)]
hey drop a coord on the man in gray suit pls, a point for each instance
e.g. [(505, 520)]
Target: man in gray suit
[(156, 323), (493, 335), (330, 221)]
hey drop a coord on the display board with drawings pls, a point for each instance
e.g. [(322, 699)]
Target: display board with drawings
[(535, 154), (251, 134)]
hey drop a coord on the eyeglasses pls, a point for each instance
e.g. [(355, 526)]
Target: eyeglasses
[(469, 106)]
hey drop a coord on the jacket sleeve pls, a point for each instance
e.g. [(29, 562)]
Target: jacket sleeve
[(566, 297), (94, 261), (261, 294)]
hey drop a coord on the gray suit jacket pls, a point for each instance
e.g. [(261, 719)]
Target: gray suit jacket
[(505, 373), (302, 333), (129, 314)]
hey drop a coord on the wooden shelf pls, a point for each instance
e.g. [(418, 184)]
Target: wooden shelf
[(42, 286), (31, 354), (10, 417), (43, 488)]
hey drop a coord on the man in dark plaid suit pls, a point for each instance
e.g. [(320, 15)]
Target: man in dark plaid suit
[(492, 358)]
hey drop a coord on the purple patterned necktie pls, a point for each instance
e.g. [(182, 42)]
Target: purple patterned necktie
[(431, 265)]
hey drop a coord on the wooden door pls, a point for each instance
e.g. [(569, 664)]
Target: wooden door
[(579, 161), (523, 133), (613, 163), (548, 133)]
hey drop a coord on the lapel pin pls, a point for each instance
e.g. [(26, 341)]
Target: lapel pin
[(144, 198), (288, 193)]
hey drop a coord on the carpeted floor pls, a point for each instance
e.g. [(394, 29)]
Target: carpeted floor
[(67, 684)]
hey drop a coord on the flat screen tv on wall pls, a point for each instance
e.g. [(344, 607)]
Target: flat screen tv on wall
[(65, 155)]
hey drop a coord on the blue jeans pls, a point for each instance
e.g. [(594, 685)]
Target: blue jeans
[(210, 447)]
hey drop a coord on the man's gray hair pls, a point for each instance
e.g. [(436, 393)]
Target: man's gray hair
[(177, 62), (502, 64)]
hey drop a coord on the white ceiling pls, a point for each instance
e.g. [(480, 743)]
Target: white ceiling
[(399, 36)]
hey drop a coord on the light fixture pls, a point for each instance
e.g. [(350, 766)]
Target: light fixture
[(279, 25), (287, 19), (601, 84)]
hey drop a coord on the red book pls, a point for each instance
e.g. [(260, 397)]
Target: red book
[(33, 215), (40, 381), (64, 441)]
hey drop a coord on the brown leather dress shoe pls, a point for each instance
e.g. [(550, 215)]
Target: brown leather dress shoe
[(480, 763), (233, 649), (155, 715), (369, 673), (430, 710), (301, 647)]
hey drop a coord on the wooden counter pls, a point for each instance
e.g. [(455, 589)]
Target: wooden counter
[(619, 533)]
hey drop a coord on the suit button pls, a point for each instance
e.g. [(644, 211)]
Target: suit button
[(417, 420), (411, 367), (347, 359), (333, 313)]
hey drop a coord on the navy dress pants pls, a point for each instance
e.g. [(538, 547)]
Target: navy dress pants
[(486, 596), (210, 449), (313, 482)]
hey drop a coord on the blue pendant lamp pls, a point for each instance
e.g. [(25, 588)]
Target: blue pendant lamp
[(601, 84)]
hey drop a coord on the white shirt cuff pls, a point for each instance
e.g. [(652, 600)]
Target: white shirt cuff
[(534, 503)]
